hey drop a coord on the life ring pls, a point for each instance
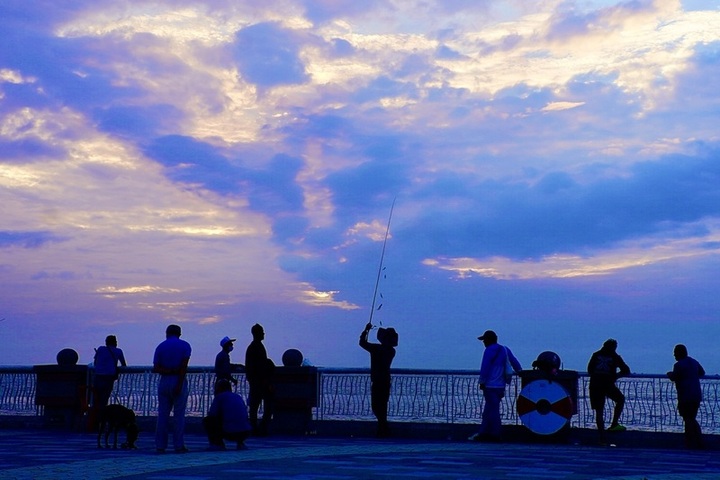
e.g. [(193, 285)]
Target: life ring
[(544, 407)]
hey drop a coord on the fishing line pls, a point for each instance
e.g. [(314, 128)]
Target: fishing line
[(382, 259)]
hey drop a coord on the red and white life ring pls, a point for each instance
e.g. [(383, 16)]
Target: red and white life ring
[(544, 407)]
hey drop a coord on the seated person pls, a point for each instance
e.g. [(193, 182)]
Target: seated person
[(227, 418)]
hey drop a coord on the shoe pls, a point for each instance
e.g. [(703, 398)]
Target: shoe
[(617, 428), (475, 437), (241, 446), (182, 450), (159, 450)]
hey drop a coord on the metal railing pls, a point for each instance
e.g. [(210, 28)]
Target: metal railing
[(425, 396)]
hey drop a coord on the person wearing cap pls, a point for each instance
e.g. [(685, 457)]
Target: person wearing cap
[(259, 370), (686, 374), (227, 418), (493, 383), (223, 367), (603, 371), (171, 361)]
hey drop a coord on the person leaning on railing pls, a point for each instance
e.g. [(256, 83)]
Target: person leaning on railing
[(106, 371), (686, 375), (603, 369)]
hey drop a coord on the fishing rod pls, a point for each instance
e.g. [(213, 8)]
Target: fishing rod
[(382, 259)]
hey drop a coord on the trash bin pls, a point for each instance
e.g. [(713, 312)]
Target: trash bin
[(296, 394), (548, 397), (62, 392)]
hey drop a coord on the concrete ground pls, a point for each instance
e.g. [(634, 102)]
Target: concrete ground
[(33, 453)]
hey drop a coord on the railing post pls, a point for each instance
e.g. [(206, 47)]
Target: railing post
[(450, 398), (320, 396), (147, 393)]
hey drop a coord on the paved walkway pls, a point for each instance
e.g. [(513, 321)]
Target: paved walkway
[(44, 454)]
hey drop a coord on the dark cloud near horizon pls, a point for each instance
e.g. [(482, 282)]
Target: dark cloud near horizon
[(557, 214)]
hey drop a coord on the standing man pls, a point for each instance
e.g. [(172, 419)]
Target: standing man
[(106, 371), (603, 370), (171, 361), (493, 383), (258, 372), (686, 374), (381, 357), (223, 367)]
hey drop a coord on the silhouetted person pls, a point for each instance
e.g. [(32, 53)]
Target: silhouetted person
[(227, 418), (223, 367), (381, 357), (686, 374), (259, 370), (171, 361), (106, 371), (492, 383), (603, 369)]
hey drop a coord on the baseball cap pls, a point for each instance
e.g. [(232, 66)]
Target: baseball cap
[(226, 340), (488, 335)]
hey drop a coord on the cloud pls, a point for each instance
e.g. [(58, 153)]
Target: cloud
[(267, 55), (26, 239), (194, 162), (321, 11), (138, 121), (556, 214), (140, 289)]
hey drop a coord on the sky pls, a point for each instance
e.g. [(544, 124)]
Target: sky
[(552, 169)]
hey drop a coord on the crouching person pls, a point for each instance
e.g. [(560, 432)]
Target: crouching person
[(227, 418)]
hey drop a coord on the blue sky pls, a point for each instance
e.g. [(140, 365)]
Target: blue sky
[(555, 167)]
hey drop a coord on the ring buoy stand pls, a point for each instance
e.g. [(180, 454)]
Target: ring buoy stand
[(544, 407)]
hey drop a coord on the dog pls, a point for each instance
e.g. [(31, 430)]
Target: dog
[(114, 418)]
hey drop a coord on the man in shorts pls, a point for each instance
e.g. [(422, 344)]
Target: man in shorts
[(603, 370)]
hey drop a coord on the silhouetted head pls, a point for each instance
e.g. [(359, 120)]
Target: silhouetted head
[(610, 345), (257, 331), (227, 343), (173, 331), (388, 337), (222, 385), (680, 351), (488, 338), (111, 341)]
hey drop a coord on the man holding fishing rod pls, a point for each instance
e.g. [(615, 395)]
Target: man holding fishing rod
[(381, 354), (381, 357)]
